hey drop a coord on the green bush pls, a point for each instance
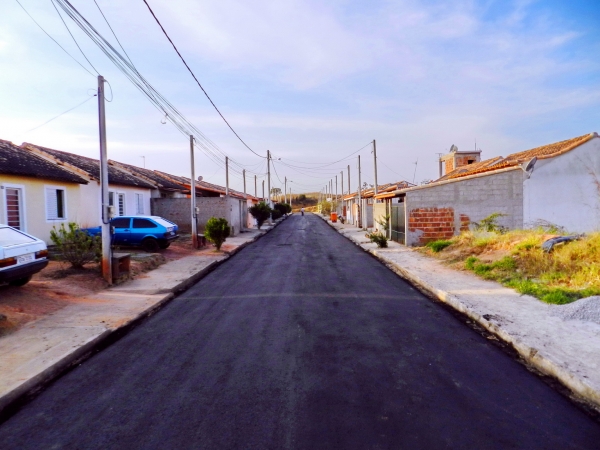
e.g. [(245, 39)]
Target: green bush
[(260, 212), (276, 214), (282, 208), (490, 224), (438, 246), (76, 246), (216, 231), (379, 238)]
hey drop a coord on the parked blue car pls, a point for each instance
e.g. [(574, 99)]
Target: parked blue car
[(148, 232)]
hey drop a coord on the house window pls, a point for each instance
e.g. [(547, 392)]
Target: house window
[(55, 204), (14, 206), (139, 203), (120, 202)]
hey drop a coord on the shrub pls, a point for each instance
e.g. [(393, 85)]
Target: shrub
[(326, 208), (276, 214), (216, 231), (260, 212), (490, 223), (379, 238), (438, 246), (282, 208), (76, 246)]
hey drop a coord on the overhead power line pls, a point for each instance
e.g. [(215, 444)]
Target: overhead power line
[(198, 82), (55, 41), (171, 113), (63, 113)]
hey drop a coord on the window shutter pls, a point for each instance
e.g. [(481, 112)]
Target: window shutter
[(51, 204)]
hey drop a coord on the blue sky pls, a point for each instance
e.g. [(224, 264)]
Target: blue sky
[(312, 82)]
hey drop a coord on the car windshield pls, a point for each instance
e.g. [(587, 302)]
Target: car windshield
[(10, 236), (163, 222)]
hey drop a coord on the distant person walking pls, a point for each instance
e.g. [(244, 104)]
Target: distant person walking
[(302, 210)]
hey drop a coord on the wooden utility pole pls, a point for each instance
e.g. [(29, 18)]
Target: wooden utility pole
[(106, 212), (193, 195)]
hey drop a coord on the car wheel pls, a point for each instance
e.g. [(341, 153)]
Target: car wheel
[(21, 281), (150, 245), (164, 245)]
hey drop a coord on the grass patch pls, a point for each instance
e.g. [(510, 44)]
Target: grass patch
[(438, 246), (516, 259)]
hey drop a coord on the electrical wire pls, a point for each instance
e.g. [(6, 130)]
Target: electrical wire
[(73, 37), (334, 162), (63, 113), (55, 41), (390, 169), (198, 82), (171, 113)]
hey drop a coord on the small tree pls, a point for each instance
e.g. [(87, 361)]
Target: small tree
[(76, 246), (260, 212), (216, 231), (379, 238)]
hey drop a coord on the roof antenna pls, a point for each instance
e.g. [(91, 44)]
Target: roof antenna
[(415, 174)]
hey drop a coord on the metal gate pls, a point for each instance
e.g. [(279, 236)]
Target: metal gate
[(397, 219)]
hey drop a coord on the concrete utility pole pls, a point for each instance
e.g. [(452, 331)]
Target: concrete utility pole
[(290, 197), (255, 190), (359, 218), (375, 164), (342, 184), (285, 190), (269, 182), (106, 237), (193, 195), (336, 191), (263, 196), (349, 189), (226, 176), (244, 176)]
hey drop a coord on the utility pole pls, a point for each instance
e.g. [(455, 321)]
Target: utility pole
[(342, 184), (290, 196), (244, 175), (349, 189), (193, 195), (269, 182), (336, 191), (375, 164), (359, 218), (227, 176), (263, 196), (255, 190), (106, 237), (285, 190)]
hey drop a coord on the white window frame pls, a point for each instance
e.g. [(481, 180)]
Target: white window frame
[(139, 204), (65, 211), (23, 209), (115, 204)]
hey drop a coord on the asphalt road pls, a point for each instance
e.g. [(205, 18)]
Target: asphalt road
[(301, 341)]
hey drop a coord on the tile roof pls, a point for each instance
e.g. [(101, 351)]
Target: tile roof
[(92, 167), (515, 159), (16, 161), (388, 187), (470, 168), (203, 185), (154, 176)]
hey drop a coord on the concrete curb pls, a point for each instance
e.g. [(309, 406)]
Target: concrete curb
[(14, 399), (582, 390)]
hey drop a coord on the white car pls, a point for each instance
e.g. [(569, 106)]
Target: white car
[(21, 255)]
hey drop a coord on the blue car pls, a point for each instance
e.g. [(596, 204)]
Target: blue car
[(149, 232)]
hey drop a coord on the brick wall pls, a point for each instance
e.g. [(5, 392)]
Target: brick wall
[(440, 211)]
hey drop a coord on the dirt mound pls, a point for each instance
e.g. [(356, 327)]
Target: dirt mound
[(585, 309)]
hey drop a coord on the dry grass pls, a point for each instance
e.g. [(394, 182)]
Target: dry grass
[(516, 259)]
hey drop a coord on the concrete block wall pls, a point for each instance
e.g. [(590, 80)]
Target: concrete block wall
[(178, 210), (443, 210)]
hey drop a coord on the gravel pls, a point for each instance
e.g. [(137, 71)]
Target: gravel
[(585, 309)]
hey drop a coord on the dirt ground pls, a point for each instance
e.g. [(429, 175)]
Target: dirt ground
[(58, 285)]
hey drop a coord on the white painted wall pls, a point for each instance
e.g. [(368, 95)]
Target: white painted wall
[(565, 190)]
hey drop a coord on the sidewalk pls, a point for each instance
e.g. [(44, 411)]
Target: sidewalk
[(42, 350), (567, 350)]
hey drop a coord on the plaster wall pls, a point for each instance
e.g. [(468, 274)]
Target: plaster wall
[(33, 204), (565, 190), (443, 210)]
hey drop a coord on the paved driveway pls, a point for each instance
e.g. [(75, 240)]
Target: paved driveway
[(303, 341)]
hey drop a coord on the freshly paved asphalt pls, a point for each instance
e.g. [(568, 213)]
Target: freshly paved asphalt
[(301, 341)]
